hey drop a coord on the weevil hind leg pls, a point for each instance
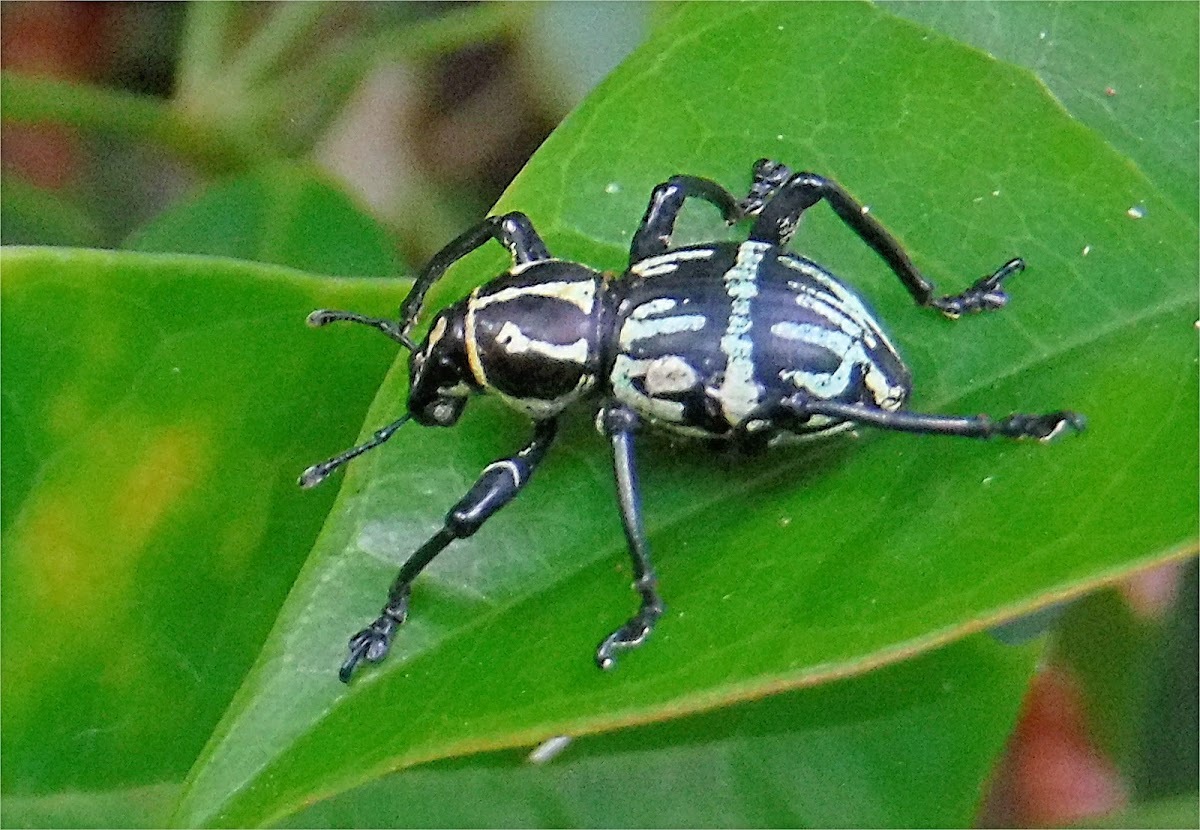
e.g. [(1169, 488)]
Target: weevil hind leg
[(779, 207), (1045, 427)]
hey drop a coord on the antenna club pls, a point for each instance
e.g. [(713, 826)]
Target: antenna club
[(313, 476)]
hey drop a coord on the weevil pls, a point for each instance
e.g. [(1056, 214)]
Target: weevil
[(740, 342)]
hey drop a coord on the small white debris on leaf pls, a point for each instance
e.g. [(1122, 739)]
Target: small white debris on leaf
[(549, 749)]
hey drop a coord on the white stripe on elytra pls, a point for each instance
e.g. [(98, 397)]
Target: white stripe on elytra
[(652, 307), (739, 392), (849, 303), (837, 342), (579, 293), (656, 266), (852, 355), (625, 370), (633, 329), (829, 307)]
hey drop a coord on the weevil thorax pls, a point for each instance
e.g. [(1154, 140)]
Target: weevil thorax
[(440, 379), (533, 335)]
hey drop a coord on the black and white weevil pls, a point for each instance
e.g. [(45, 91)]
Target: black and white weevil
[(744, 342)]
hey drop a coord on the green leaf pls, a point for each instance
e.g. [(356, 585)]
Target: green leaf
[(1181, 811), (282, 213), (1123, 69), (134, 807), (913, 740), (807, 564), (156, 412)]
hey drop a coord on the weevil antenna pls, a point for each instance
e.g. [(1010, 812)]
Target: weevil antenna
[(323, 317), (317, 473)]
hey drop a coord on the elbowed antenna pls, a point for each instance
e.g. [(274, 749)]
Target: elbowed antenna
[(317, 473), (323, 317)]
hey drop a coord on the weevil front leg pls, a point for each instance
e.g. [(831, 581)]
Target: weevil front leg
[(512, 230), (496, 486), (780, 197), (620, 424)]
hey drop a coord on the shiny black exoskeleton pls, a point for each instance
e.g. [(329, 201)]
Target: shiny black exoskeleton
[(745, 342)]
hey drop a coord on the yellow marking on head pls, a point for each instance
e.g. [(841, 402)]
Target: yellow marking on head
[(439, 331)]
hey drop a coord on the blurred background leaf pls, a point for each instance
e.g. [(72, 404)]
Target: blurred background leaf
[(150, 507), (283, 213)]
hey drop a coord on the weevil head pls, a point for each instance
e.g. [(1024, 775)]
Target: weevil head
[(440, 378)]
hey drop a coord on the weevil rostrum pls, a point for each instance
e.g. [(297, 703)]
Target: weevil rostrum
[(743, 342)]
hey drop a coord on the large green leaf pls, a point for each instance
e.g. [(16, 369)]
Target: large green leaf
[(807, 564), (156, 410), (1126, 70)]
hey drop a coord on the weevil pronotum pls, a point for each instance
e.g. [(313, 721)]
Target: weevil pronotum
[(744, 342)]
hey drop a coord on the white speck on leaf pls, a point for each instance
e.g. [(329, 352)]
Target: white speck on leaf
[(1136, 212), (549, 749)]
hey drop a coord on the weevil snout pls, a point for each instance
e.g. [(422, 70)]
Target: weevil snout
[(439, 375)]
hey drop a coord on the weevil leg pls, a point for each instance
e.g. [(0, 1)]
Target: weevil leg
[(785, 203), (769, 176), (619, 424), (1043, 427), (513, 230), (496, 486), (653, 236)]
